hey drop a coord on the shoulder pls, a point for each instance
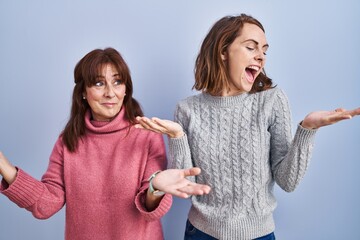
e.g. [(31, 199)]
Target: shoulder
[(189, 100), (271, 100), (187, 104), (185, 108), (59, 146), (272, 96), (273, 93)]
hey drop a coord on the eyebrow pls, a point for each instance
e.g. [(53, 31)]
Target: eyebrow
[(252, 40)]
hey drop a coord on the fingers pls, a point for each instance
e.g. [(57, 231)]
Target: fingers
[(195, 189), (340, 114), (138, 125), (179, 194), (160, 122), (143, 121), (348, 113), (146, 123), (192, 171), (187, 191), (149, 124), (354, 112), (170, 128), (340, 110), (174, 181)]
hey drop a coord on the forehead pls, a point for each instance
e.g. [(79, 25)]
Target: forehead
[(106, 69), (252, 31)]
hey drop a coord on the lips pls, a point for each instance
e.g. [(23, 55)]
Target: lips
[(251, 72), (108, 104)]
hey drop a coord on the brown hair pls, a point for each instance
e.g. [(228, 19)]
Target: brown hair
[(211, 74), (85, 73)]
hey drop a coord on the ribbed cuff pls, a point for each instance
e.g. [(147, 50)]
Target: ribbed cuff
[(24, 191), (304, 135), (179, 144), (157, 213), (179, 152)]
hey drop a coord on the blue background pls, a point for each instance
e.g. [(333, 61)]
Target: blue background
[(314, 56)]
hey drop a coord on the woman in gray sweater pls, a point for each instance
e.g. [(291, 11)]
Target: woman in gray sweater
[(238, 131)]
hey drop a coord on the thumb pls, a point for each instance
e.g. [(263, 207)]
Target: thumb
[(192, 171)]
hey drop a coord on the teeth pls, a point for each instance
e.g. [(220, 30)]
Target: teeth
[(256, 68)]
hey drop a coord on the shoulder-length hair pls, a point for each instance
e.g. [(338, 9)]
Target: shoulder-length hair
[(211, 73), (85, 73)]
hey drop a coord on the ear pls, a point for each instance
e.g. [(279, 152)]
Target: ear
[(224, 56), (84, 95)]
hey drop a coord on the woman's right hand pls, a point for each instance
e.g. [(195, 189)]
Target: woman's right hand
[(7, 170), (170, 128)]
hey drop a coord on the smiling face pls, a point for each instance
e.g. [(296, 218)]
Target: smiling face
[(245, 59), (106, 96)]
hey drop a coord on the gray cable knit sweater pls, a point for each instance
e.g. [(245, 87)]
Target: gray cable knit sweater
[(243, 144)]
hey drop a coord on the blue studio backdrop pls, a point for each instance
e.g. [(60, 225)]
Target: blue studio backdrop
[(314, 56)]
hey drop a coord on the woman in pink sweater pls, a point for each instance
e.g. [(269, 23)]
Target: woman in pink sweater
[(101, 166)]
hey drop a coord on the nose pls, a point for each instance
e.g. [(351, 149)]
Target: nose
[(260, 56), (109, 91)]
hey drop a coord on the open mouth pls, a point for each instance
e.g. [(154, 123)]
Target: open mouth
[(251, 73)]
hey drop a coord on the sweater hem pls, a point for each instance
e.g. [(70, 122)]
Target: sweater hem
[(235, 228)]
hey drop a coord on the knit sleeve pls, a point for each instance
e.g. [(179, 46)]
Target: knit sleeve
[(156, 161), (289, 156), (179, 149), (42, 198)]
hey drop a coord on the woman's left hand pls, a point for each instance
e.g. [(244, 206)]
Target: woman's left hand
[(174, 181), (170, 128), (319, 119)]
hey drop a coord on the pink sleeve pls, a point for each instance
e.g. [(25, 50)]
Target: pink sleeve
[(43, 198), (156, 161)]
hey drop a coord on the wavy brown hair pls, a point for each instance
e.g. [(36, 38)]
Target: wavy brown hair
[(85, 73), (211, 74)]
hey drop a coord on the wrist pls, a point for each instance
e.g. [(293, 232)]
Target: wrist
[(153, 190), (9, 174), (305, 125), (177, 135)]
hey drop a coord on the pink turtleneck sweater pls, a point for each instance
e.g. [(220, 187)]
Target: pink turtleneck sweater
[(103, 183)]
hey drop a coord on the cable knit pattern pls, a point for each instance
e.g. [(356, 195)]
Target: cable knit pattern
[(103, 184), (243, 144)]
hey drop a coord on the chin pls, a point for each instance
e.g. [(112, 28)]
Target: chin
[(247, 89)]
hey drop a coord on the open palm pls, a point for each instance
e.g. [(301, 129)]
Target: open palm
[(170, 128), (319, 119), (174, 181)]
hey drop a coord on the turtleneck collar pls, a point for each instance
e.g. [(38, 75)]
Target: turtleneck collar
[(118, 123)]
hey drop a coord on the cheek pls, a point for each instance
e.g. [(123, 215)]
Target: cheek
[(237, 69), (122, 90), (92, 96)]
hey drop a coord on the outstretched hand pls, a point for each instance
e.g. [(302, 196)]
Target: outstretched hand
[(319, 119), (170, 128), (174, 181)]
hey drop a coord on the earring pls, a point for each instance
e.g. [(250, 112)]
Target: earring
[(84, 97)]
